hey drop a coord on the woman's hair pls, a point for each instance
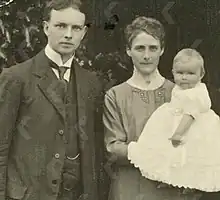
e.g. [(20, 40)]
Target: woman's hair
[(59, 5), (189, 55), (145, 24)]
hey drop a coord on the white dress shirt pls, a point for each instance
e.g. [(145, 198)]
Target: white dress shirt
[(56, 58)]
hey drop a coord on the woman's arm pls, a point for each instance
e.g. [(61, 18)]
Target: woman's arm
[(115, 136)]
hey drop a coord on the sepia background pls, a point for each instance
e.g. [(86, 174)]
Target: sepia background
[(189, 23)]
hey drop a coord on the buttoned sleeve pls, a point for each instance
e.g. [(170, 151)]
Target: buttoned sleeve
[(115, 136)]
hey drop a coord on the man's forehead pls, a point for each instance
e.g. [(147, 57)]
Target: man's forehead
[(68, 15)]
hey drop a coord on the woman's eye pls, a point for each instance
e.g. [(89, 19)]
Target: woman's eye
[(153, 48), (140, 48)]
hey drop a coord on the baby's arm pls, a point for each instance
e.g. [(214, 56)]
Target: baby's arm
[(184, 125), (195, 102)]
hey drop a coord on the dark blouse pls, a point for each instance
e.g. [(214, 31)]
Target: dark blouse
[(126, 111)]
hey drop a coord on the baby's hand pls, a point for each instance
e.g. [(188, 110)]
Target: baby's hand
[(176, 140)]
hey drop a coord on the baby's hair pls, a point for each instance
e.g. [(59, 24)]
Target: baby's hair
[(188, 55)]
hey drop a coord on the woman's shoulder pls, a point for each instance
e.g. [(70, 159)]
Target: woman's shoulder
[(119, 90)]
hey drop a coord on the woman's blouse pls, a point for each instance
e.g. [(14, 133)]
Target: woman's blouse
[(126, 111)]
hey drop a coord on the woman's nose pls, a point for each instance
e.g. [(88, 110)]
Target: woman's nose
[(146, 55)]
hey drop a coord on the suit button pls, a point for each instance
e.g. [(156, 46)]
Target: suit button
[(57, 155), (54, 182), (61, 132)]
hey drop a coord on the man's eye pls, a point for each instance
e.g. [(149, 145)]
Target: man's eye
[(77, 28), (60, 25)]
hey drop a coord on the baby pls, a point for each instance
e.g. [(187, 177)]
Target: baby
[(179, 143)]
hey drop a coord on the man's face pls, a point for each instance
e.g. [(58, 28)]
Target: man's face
[(65, 29), (145, 53)]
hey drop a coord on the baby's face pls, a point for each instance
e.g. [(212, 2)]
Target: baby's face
[(187, 75)]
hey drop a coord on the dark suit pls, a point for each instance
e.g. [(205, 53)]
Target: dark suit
[(32, 141)]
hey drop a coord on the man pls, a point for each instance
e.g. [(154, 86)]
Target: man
[(48, 137)]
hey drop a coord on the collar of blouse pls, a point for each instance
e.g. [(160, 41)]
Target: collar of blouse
[(151, 82)]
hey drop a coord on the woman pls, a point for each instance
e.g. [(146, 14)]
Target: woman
[(127, 108)]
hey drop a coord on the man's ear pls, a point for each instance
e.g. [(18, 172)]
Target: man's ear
[(85, 29), (45, 27), (128, 51)]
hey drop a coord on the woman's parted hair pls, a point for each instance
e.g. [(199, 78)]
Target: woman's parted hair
[(148, 25)]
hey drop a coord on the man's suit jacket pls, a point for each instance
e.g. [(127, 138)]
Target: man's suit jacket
[(32, 140)]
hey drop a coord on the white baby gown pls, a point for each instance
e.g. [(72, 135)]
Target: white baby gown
[(196, 163)]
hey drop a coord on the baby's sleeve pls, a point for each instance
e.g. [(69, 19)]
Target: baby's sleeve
[(196, 100)]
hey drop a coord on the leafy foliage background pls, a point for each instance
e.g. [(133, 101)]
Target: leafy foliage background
[(190, 23)]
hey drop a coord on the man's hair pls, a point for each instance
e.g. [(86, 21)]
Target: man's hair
[(148, 25), (187, 56), (59, 5)]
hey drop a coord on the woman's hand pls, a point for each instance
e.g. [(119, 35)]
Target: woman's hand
[(176, 140)]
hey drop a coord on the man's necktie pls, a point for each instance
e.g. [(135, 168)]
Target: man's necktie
[(63, 83), (62, 70)]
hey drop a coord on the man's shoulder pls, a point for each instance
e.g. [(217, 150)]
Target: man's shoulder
[(92, 77), (18, 70)]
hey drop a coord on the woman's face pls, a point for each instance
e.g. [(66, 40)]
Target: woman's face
[(145, 52)]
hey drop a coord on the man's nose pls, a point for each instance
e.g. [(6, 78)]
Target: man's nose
[(68, 33)]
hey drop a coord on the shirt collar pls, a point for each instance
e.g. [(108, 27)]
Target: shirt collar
[(155, 79), (56, 58)]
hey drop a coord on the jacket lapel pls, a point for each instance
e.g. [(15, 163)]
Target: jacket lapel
[(86, 130), (48, 83), (82, 90)]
